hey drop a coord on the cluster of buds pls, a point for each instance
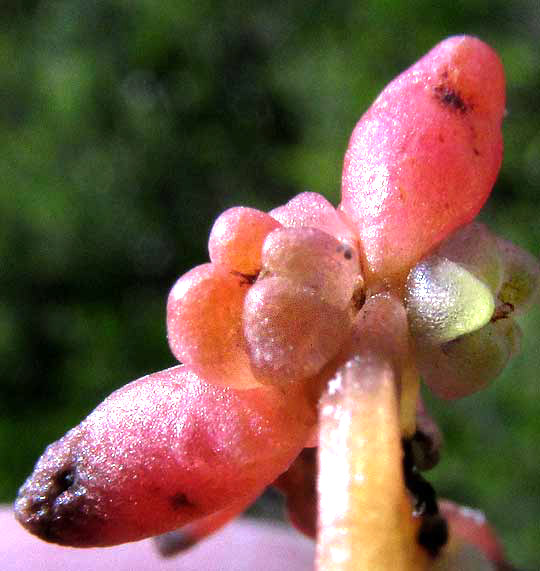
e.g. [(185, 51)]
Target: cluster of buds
[(305, 338)]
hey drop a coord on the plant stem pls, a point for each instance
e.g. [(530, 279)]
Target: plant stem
[(365, 515)]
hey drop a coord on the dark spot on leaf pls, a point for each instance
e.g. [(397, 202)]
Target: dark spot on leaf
[(179, 501), (37, 505), (450, 98), (64, 480), (359, 298), (502, 311), (246, 279)]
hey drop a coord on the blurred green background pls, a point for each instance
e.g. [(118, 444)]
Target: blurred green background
[(127, 127)]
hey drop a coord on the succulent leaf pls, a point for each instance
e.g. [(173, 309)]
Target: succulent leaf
[(445, 301), (423, 159)]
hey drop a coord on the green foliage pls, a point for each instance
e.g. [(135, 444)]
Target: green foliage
[(126, 127)]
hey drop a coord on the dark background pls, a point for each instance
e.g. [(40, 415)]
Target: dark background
[(127, 127)]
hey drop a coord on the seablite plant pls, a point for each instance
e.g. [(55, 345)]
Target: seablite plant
[(303, 342)]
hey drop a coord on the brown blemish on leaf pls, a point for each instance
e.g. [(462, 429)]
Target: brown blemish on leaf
[(246, 279), (502, 311), (449, 96), (345, 250), (359, 296), (179, 501), (64, 480)]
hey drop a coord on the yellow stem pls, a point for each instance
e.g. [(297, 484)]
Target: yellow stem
[(365, 515)]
